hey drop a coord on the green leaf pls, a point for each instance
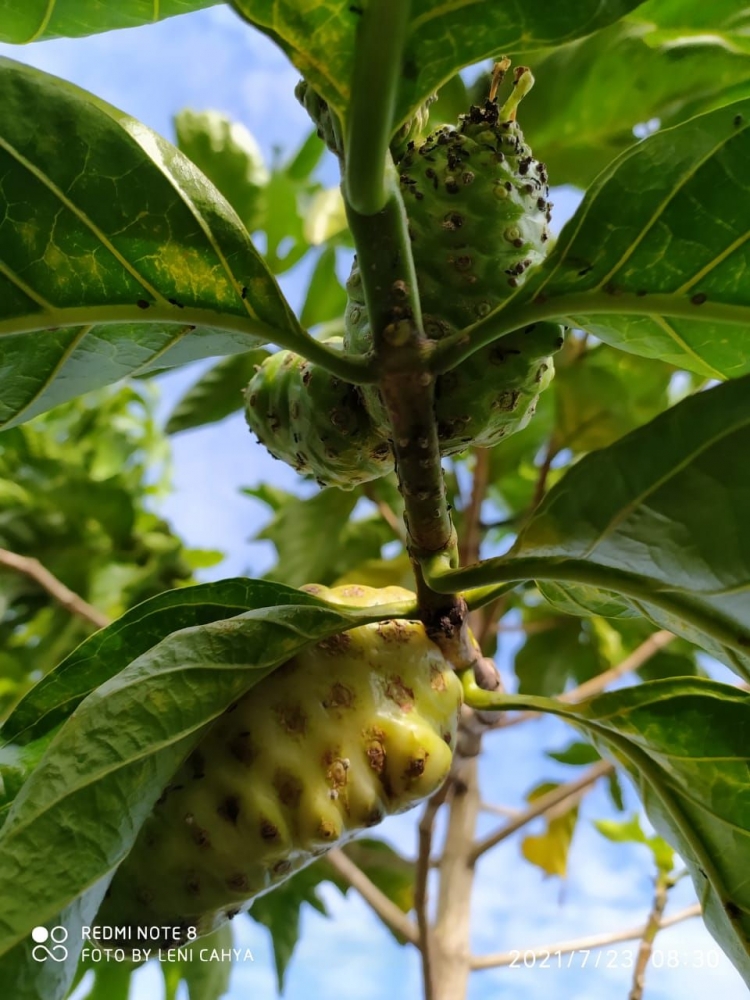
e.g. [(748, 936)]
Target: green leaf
[(576, 754), (33, 20), (315, 539), (209, 980), (679, 21), (603, 394), (217, 393), (279, 911), (229, 156), (116, 753), (319, 38), (325, 218), (654, 260), (283, 221), (684, 744), (112, 981), (117, 255), (655, 525), (392, 873), (306, 159), (623, 831), (590, 94), (326, 299), (109, 651), (549, 659)]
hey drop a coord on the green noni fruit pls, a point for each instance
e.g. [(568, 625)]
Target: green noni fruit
[(315, 422), (355, 728), (478, 210)]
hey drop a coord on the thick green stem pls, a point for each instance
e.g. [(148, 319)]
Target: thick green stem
[(400, 347), (377, 70)]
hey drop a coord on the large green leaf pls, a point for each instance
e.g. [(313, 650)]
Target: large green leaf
[(116, 254), (685, 744), (116, 752), (549, 659), (590, 94), (602, 394), (31, 20), (319, 37), (110, 650), (678, 21), (655, 525), (228, 155), (655, 260)]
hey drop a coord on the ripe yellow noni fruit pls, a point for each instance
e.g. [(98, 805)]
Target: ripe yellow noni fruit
[(355, 728)]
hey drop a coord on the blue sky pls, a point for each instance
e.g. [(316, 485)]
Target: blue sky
[(212, 60)]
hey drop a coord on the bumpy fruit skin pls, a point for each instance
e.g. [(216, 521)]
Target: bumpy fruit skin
[(478, 209), (358, 727), (320, 113), (491, 395), (315, 422)]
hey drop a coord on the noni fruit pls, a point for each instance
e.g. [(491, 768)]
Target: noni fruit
[(315, 422), (478, 211), (356, 727)]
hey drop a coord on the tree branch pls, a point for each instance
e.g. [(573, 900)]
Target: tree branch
[(540, 486), (472, 531), (54, 587), (540, 806), (451, 935), (506, 958), (426, 827), (386, 512), (388, 912), (648, 937)]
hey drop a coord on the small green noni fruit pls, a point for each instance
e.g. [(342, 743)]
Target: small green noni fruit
[(478, 209), (357, 727), (315, 422)]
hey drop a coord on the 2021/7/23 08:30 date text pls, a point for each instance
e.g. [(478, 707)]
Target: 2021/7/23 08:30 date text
[(612, 958)]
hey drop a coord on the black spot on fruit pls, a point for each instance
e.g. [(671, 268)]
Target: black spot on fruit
[(229, 809), (288, 788), (238, 882), (242, 749), (201, 837), (269, 831), (415, 767), (197, 764), (292, 718), (339, 696)]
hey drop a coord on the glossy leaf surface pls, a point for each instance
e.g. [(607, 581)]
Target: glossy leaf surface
[(116, 256), (33, 20)]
